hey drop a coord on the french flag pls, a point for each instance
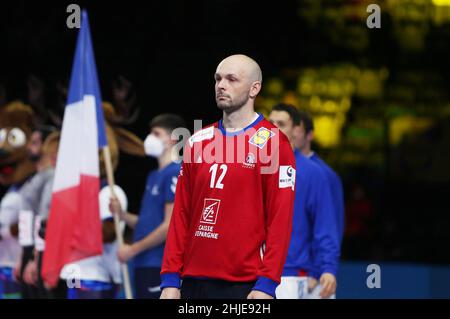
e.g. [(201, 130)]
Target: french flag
[(74, 229)]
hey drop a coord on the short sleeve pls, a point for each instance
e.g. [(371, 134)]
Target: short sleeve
[(170, 184)]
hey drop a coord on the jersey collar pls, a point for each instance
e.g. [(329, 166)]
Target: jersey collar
[(224, 132)]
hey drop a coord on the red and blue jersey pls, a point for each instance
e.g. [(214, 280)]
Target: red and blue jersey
[(233, 207)]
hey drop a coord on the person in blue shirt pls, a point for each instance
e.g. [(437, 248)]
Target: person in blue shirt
[(151, 225), (303, 141), (314, 246)]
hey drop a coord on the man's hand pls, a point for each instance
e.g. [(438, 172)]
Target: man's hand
[(50, 286), (312, 283), (256, 294), (16, 270), (14, 230), (115, 207), (170, 293), (328, 283), (126, 252), (30, 274)]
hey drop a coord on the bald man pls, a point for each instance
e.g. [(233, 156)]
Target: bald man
[(232, 217)]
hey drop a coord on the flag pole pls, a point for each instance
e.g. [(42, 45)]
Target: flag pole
[(110, 178)]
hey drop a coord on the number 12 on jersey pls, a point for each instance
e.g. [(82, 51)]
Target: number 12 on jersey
[(213, 170)]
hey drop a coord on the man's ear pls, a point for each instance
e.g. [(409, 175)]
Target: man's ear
[(254, 89), (310, 136), (296, 131)]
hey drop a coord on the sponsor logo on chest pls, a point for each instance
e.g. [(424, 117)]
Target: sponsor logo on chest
[(208, 218)]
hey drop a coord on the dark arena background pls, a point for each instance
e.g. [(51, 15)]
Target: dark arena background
[(379, 98)]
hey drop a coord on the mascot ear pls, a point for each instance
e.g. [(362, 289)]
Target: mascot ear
[(109, 113), (118, 139), (113, 148), (17, 114), (129, 143)]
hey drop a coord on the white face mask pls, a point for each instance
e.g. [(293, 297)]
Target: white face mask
[(153, 146)]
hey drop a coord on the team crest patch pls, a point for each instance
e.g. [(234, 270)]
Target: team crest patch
[(250, 161), (261, 137)]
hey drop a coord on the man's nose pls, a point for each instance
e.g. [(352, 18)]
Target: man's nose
[(221, 85)]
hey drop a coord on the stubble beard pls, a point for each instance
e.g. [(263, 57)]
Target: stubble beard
[(231, 106)]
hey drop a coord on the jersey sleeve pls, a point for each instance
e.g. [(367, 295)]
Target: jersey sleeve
[(340, 206), (172, 264), (170, 185), (279, 194), (326, 242)]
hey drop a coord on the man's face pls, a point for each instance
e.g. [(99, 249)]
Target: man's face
[(162, 134), (283, 121), (34, 147), (232, 87), (301, 139)]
